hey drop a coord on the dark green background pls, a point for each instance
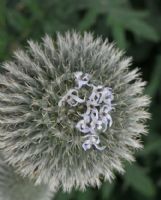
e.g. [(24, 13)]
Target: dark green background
[(135, 25)]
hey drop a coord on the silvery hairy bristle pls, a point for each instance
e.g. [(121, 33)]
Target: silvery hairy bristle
[(71, 111), (14, 187)]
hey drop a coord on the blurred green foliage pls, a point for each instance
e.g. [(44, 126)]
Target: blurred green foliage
[(135, 25)]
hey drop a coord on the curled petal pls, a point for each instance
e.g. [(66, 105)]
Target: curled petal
[(92, 140), (71, 98), (94, 114), (94, 99), (87, 145), (105, 109), (82, 127), (81, 79), (107, 120), (99, 124)]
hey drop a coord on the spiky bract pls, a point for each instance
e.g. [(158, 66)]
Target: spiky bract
[(40, 138), (14, 187)]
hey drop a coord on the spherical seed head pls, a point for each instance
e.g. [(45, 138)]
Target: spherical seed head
[(71, 111)]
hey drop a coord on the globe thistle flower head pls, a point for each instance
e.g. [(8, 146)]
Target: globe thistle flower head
[(71, 111)]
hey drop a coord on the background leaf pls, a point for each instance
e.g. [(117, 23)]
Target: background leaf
[(137, 178)]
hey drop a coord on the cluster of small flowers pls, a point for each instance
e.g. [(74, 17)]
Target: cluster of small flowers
[(96, 119)]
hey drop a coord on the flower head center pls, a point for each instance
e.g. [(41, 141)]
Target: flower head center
[(97, 101)]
